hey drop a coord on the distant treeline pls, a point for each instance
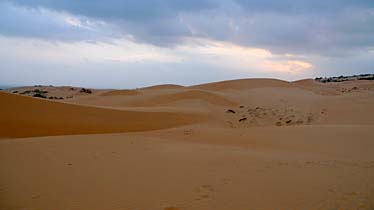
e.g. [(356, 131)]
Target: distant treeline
[(345, 78)]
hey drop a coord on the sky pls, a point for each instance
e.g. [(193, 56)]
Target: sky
[(137, 43)]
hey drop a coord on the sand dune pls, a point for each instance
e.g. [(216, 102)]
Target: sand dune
[(121, 93), (169, 99), (25, 117), (242, 84), (63, 92), (162, 87), (240, 144), (333, 89)]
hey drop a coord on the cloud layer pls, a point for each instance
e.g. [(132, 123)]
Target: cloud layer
[(257, 37)]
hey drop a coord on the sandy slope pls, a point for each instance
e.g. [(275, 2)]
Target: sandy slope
[(303, 168), (23, 116), (121, 93), (288, 145)]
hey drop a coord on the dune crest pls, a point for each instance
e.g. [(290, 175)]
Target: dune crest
[(242, 84), (163, 87), (201, 95)]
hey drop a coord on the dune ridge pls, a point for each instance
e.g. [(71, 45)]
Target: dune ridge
[(26, 117), (242, 84), (162, 87), (169, 99)]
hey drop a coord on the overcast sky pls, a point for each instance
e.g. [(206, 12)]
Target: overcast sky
[(135, 43)]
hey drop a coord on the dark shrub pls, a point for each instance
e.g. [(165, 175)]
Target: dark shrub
[(25, 92), (40, 91), (39, 95), (84, 90)]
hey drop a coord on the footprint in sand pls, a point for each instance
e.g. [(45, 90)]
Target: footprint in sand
[(269, 116), (187, 132), (36, 197), (310, 118), (231, 125), (242, 119), (207, 187), (226, 181), (204, 192), (171, 208), (299, 121)]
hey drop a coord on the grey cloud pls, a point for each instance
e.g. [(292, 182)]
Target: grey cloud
[(129, 9), (327, 27), (42, 23), (303, 6)]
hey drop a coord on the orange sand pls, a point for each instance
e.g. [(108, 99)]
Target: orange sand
[(289, 145)]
